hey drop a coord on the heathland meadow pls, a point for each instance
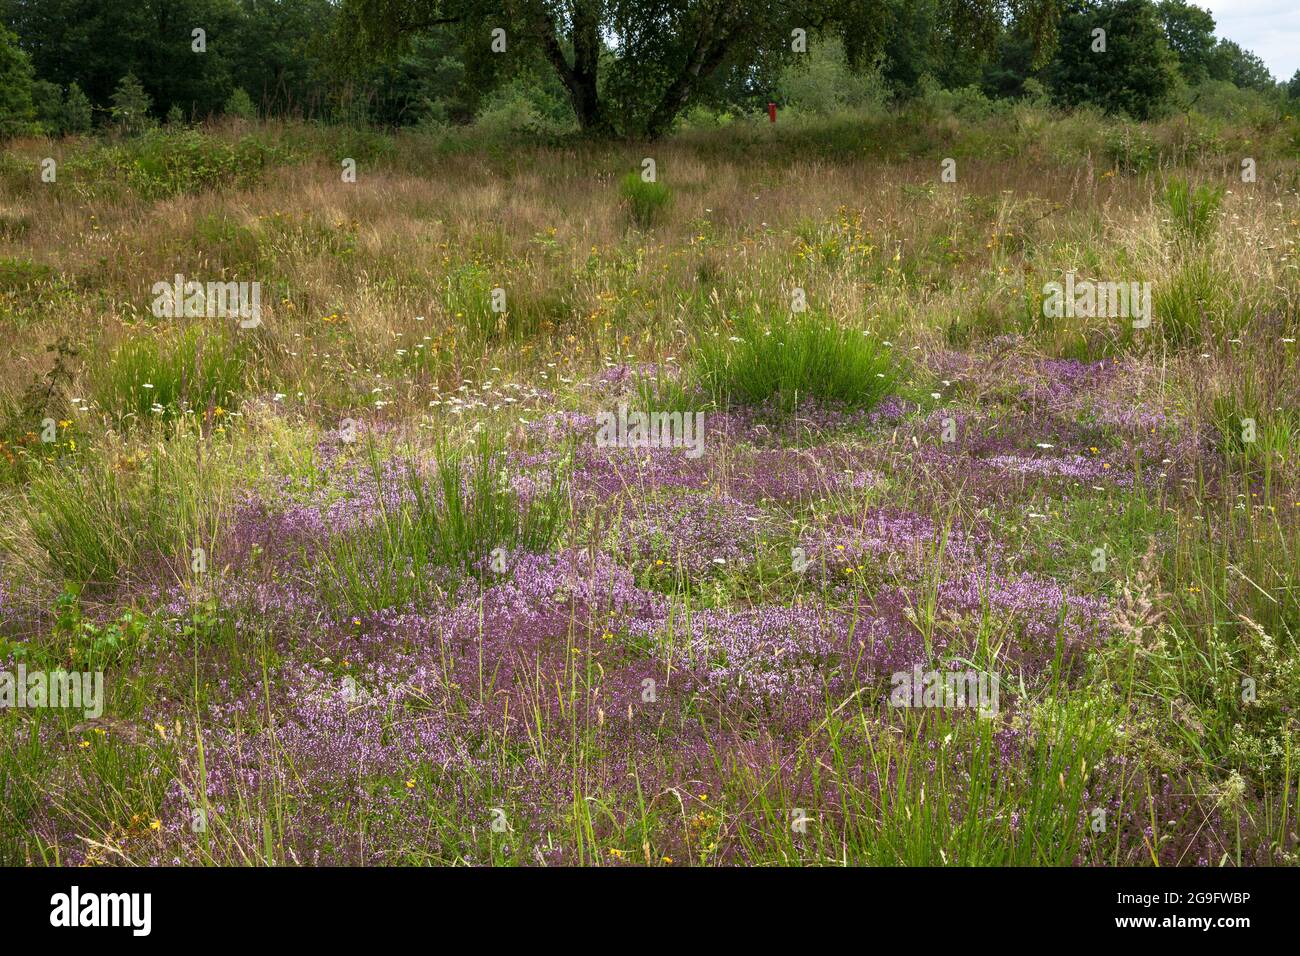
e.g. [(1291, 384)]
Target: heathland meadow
[(898, 488)]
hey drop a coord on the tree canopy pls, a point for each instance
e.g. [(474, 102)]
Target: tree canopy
[(630, 66), (608, 67)]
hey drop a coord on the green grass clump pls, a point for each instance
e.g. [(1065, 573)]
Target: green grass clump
[(83, 520), (94, 522), (468, 300), (646, 201), (665, 392), (1188, 304), (159, 377), (1194, 211), (450, 519), (21, 275), (31, 291), (791, 358), (231, 244)]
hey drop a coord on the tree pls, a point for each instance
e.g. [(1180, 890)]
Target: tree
[(1132, 75), (1011, 68), (16, 112), (47, 106), (131, 105), (93, 42), (1230, 62), (240, 105), (631, 66), (76, 111), (1189, 31), (428, 81), (283, 54), (58, 114), (1293, 88)]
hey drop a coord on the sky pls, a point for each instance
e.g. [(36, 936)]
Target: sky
[(1268, 28)]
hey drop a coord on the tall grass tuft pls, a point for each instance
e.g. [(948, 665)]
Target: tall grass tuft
[(646, 202), (94, 522), (444, 524), (1194, 210), (790, 358), (160, 377)]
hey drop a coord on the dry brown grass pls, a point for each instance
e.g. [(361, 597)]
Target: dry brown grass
[(876, 244)]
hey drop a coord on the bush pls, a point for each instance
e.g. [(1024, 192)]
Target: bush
[(645, 201), (968, 103), (821, 83), (76, 111), (523, 106), (131, 105), (793, 358), (240, 105), (700, 116), (1131, 147), (1224, 100), (167, 162), (22, 275)]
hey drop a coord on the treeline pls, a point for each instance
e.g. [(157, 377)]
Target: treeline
[(67, 66)]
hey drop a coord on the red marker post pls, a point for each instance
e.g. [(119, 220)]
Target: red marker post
[(771, 112)]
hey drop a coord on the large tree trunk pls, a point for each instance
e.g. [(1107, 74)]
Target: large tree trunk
[(716, 36), (586, 66), (580, 78)]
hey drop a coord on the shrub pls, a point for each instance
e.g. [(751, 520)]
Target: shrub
[(22, 275), (821, 82), (76, 111), (240, 105), (131, 105), (645, 201), (968, 103), (1131, 147), (700, 116), (168, 162), (523, 106)]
